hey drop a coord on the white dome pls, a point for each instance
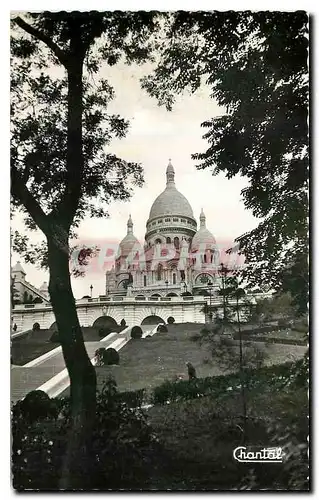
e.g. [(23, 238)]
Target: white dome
[(129, 241), (171, 201), (203, 239), (44, 287)]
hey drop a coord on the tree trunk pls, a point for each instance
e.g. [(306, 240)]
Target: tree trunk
[(241, 369), (81, 372)]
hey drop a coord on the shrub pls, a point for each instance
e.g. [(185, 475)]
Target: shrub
[(36, 327), (55, 337), (170, 320), (162, 329), (136, 332), (275, 376), (99, 356), (122, 446), (111, 357), (283, 323), (36, 406), (123, 322), (104, 331)]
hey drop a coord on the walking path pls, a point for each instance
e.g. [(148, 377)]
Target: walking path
[(48, 372)]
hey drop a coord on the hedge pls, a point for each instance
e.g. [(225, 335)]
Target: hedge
[(276, 376), (136, 332)]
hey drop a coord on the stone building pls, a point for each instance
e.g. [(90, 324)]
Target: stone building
[(177, 257), (23, 292)]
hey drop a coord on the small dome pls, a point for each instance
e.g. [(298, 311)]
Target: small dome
[(203, 239), (18, 268), (171, 201), (129, 241)]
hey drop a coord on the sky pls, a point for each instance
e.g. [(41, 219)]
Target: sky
[(155, 135)]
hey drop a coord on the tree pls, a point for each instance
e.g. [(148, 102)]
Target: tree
[(60, 168), (228, 352), (256, 66)]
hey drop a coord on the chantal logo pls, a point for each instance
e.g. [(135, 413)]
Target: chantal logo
[(263, 455)]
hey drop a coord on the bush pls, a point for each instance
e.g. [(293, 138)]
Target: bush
[(123, 322), (55, 337), (136, 332), (283, 323), (162, 329), (99, 356), (104, 331), (170, 320), (275, 376), (111, 357), (122, 447), (36, 327), (35, 406)]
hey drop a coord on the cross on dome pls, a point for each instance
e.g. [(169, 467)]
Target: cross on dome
[(130, 225), (202, 219), (170, 174)]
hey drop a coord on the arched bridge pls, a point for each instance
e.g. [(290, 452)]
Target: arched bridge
[(104, 311)]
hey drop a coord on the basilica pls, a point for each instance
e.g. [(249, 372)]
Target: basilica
[(177, 258)]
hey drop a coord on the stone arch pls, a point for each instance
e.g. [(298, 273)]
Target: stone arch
[(158, 240), (176, 242), (153, 319), (102, 321), (168, 240), (172, 294), (155, 296)]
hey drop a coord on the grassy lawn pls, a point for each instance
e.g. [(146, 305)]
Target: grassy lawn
[(34, 344), (199, 437), (146, 363)]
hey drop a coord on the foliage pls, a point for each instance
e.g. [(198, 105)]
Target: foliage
[(35, 406), (225, 351), (111, 357), (255, 65), (122, 443), (170, 320), (39, 114), (136, 332), (276, 377), (36, 327)]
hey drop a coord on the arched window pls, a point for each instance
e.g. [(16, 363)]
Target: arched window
[(168, 240), (159, 272), (145, 278), (158, 240), (205, 258), (174, 279), (176, 242)]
